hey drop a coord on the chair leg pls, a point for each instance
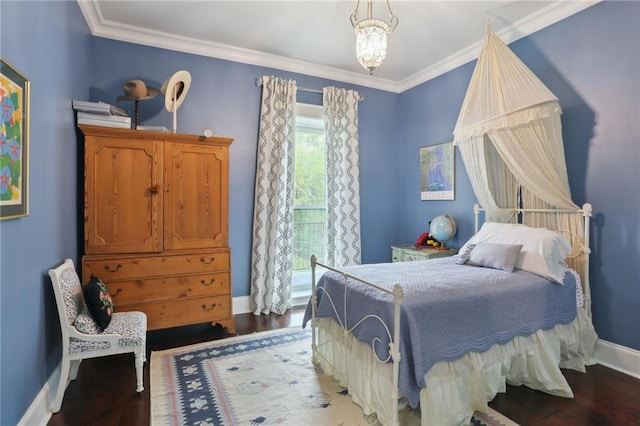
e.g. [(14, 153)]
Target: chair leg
[(56, 401), (73, 371), (139, 369)]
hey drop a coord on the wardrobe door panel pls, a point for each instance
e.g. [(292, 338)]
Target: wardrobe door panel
[(123, 196), (196, 200)]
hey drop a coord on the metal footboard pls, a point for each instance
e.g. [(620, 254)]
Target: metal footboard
[(394, 338)]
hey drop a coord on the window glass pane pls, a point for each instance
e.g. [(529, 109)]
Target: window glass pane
[(309, 197)]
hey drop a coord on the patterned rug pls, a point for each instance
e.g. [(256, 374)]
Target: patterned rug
[(259, 379)]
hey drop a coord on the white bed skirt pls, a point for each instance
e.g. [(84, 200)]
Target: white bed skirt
[(456, 389)]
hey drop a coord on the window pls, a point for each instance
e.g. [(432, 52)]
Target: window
[(309, 211)]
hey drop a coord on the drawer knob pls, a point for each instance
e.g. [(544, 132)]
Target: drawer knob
[(110, 269), (208, 261), (153, 189), (204, 307), (208, 284)]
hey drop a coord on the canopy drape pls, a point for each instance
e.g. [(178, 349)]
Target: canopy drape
[(510, 137)]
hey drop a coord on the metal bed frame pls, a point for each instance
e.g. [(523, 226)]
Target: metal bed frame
[(397, 293)]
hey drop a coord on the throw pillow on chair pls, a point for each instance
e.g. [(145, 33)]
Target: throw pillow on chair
[(98, 300)]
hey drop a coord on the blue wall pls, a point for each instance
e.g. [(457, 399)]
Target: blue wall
[(49, 43), (594, 73), (587, 60), (224, 98), (427, 116)]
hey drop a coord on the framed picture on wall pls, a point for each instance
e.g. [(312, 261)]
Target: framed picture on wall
[(14, 146), (437, 172)]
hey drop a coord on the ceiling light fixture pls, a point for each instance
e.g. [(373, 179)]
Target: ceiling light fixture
[(371, 36)]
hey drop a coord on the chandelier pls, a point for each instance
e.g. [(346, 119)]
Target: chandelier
[(371, 36)]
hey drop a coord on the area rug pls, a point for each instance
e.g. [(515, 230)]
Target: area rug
[(264, 378)]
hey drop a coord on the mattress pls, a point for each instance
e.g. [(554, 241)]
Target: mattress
[(455, 389), (448, 311)]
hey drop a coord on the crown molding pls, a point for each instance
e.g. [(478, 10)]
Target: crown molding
[(543, 18), (101, 27)]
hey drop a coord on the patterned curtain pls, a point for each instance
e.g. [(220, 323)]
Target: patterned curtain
[(343, 179), (272, 255)]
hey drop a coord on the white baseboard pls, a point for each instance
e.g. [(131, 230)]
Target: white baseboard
[(611, 355), (38, 413), (241, 305), (617, 357)]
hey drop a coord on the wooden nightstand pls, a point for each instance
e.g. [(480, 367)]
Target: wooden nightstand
[(409, 253)]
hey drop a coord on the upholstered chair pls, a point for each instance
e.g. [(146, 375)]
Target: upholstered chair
[(82, 338)]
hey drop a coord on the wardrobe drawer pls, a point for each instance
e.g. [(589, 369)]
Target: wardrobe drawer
[(181, 312), (111, 268), (169, 288)]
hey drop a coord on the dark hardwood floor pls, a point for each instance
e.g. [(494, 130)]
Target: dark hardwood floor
[(104, 392)]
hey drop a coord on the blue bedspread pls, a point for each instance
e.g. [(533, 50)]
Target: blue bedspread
[(448, 310)]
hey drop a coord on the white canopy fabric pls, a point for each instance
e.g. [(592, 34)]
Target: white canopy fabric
[(510, 137)]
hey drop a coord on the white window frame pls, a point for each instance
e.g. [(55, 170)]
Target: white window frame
[(309, 118)]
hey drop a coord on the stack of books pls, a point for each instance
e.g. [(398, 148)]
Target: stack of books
[(101, 114), (153, 128)]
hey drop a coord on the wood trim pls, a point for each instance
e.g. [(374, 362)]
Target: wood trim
[(112, 132)]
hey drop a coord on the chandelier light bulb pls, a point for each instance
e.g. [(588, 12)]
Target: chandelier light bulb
[(371, 43), (371, 37)]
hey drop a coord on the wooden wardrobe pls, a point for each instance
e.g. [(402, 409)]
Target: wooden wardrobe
[(156, 212)]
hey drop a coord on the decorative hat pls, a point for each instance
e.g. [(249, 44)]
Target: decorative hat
[(179, 84), (136, 90)]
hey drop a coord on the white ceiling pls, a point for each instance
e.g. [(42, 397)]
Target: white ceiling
[(316, 37)]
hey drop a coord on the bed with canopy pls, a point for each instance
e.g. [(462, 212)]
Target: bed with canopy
[(510, 138)]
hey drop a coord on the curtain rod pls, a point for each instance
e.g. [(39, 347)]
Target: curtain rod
[(304, 89)]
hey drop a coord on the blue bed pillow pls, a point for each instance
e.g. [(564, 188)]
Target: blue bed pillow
[(490, 255)]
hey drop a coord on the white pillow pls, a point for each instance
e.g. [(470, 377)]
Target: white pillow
[(543, 251)]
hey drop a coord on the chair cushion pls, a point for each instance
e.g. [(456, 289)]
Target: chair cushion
[(99, 302), (71, 292), (131, 326), (85, 324)]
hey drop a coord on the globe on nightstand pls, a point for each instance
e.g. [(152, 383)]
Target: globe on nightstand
[(442, 228)]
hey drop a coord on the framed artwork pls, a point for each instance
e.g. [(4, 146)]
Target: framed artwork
[(14, 145), (437, 172)]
